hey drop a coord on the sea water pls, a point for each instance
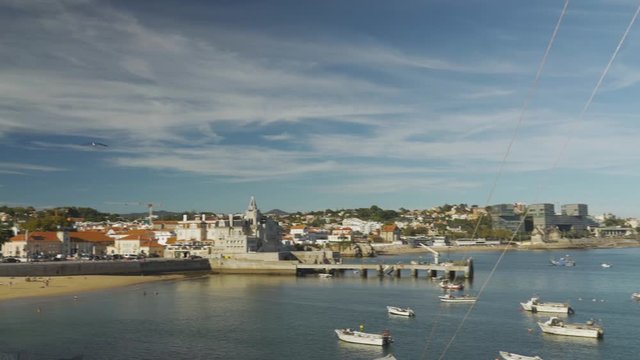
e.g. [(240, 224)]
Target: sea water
[(284, 317)]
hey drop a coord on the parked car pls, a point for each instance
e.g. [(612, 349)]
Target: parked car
[(59, 257), (195, 257), (10, 260)]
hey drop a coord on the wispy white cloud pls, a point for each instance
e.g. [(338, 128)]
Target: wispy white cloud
[(487, 93), (179, 98), (8, 166), (278, 137), (392, 184)]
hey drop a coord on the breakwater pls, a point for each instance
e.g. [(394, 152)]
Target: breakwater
[(118, 267)]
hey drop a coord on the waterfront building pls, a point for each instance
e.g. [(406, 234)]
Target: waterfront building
[(340, 235), (250, 232), (573, 217), (504, 216), (390, 233), (615, 231), (89, 242), (47, 243), (51, 243), (361, 226), (574, 210), (139, 242), (439, 241)]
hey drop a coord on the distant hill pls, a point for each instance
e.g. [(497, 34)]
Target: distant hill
[(276, 212)]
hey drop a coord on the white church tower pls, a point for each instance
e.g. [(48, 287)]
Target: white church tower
[(253, 214)]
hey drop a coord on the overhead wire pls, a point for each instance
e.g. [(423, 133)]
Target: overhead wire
[(597, 87), (525, 105), (581, 115)]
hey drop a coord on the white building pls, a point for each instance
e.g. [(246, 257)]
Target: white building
[(231, 234), (364, 227)]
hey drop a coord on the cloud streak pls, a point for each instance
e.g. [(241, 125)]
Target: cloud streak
[(250, 103)]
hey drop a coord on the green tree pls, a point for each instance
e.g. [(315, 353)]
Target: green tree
[(5, 232), (46, 222), (316, 222), (614, 221)]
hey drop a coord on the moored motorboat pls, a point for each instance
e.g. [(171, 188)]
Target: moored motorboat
[(558, 327), (563, 261), (394, 310), (535, 305), (445, 284), (325, 276), (511, 356), (635, 296), (458, 299), (358, 337)]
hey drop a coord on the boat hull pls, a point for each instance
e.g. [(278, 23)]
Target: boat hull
[(357, 337), (459, 299), (547, 308), (463, 301), (511, 356), (400, 311), (572, 330), (556, 309)]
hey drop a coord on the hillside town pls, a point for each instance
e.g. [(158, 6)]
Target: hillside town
[(252, 234)]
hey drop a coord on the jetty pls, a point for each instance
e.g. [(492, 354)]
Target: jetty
[(450, 269)]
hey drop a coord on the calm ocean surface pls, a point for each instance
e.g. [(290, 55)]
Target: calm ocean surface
[(263, 317)]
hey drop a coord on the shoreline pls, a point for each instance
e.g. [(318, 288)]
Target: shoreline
[(564, 245), (18, 287), (21, 287)]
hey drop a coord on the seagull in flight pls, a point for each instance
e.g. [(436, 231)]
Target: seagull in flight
[(97, 144)]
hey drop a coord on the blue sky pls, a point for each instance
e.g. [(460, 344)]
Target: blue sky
[(309, 105)]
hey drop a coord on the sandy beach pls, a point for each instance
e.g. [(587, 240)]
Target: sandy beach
[(23, 287)]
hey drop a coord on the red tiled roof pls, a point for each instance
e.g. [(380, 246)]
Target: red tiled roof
[(37, 236), (151, 244), (146, 236), (389, 228), (90, 236)]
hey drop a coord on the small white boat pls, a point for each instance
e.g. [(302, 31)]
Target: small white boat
[(605, 265), (511, 356), (563, 261), (558, 327), (325, 276), (394, 310), (535, 305), (635, 296), (358, 337), (458, 299), (445, 284)]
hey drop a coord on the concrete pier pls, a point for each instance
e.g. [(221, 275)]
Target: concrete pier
[(230, 266), (448, 269)]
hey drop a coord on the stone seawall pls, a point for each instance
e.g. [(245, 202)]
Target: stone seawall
[(124, 267)]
